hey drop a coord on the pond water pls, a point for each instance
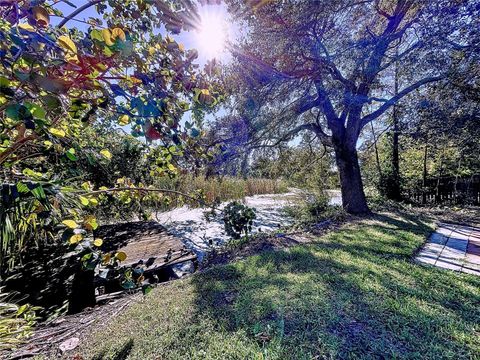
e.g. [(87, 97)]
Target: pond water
[(200, 234)]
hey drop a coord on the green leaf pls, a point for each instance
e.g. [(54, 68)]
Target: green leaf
[(124, 120), (22, 309), (147, 289), (32, 174), (107, 37), (71, 224), (38, 192), (66, 43), (22, 188), (4, 82), (107, 51), (17, 112), (5, 87), (121, 256), (194, 132), (70, 153), (22, 76), (90, 222), (57, 132), (96, 35), (84, 200), (36, 110), (52, 102), (75, 238), (98, 242)]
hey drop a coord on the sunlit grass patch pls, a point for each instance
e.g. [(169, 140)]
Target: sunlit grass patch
[(353, 293)]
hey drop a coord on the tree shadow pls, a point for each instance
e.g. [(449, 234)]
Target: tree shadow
[(121, 354), (359, 297)]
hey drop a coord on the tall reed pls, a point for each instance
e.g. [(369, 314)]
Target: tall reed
[(229, 188), (213, 190)]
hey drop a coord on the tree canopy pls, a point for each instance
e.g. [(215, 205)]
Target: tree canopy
[(326, 66)]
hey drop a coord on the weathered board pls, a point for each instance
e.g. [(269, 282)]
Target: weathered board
[(145, 241)]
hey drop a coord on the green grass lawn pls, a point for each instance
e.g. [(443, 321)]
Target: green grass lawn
[(355, 293)]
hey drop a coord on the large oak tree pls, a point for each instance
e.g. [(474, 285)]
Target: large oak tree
[(327, 67)]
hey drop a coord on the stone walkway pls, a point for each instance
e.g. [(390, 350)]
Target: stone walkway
[(454, 247)]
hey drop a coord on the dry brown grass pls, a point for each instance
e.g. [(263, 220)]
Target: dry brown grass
[(230, 188)]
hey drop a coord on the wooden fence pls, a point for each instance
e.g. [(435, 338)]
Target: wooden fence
[(448, 190)]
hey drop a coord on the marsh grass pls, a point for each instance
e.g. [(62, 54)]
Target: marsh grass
[(222, 188), (229, 188)]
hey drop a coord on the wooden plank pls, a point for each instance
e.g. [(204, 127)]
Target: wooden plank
[(144, 241)]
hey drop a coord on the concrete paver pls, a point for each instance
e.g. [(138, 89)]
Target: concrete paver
[(453, 247)]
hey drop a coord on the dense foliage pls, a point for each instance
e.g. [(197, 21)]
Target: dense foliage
[(104, 118), (238, 219), (68, 94), (439, 140), (16, 322)]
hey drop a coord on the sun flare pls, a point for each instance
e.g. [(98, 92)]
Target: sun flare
[(212, 34)]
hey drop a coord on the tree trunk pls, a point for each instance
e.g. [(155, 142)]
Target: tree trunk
[(244, 165), (394, 191), (377, 156), (353, 196), (83, 291), (424, 182)]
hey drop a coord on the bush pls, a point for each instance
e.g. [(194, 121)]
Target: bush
[(238, 219), (316, 205), (16, 322), (314, 209)]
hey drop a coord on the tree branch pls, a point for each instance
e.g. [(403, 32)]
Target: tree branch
[(400, 56), (145, 190), (392, 101), (381, 11), (15, 146), (329, 64), (78, 11), (325, 103), (307, 105), (323, 137)]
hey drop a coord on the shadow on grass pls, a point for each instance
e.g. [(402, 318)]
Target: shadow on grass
[(121, 354), (354, 293)]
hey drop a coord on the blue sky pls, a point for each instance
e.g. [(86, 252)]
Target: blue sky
[(190, 39)]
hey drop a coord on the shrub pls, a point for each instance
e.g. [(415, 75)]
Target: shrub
[(16, 322), (314, 209), (238, 219), (316, 205)]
